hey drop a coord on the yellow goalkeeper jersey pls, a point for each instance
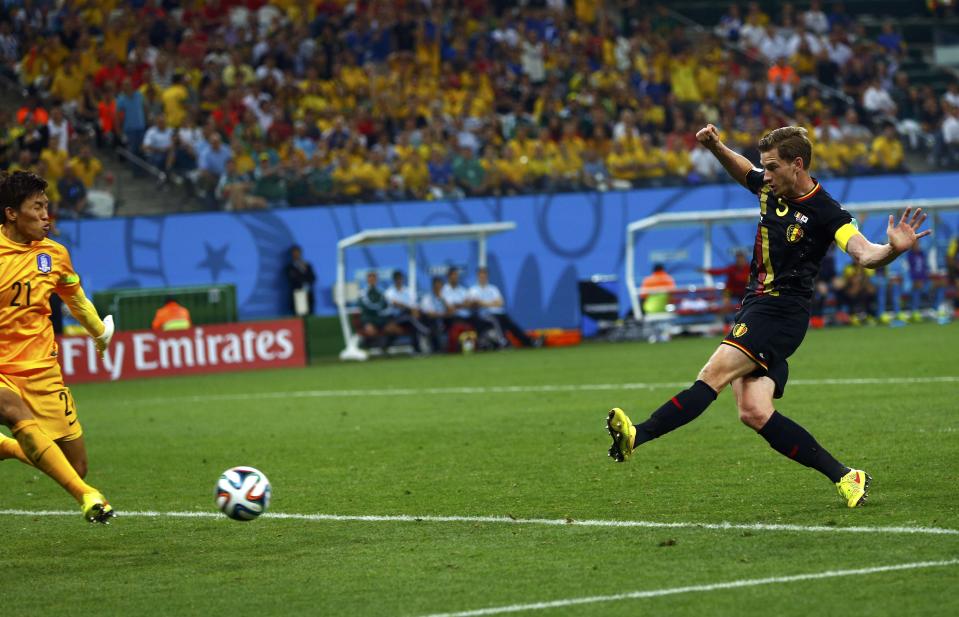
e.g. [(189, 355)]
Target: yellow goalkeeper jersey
[(29, 273)]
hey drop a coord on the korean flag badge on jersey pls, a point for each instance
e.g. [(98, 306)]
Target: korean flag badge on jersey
[(44, 263)]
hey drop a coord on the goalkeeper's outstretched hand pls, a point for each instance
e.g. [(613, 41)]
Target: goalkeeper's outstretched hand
[(103, 341)]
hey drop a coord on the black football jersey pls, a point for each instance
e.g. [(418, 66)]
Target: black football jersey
[(791, 240)]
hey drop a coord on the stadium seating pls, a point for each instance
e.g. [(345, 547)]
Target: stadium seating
[(448, 103)]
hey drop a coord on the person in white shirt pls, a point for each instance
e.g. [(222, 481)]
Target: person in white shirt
[(487, 301), (704, 164), (877, 101), (269, 70), (776, 43), (59, 129), (815, 19), (460, 307), (751, 34), (532, 57), (950, 127), (434, 314), (158, 143), (837, 50), (403, 307), (948, 142), (456, 296), (626, 128), (951, 96)]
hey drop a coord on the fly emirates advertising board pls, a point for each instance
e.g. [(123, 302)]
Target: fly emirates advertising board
[(203, 349)]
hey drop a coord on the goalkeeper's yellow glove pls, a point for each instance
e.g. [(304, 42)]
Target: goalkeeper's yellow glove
[(103, 341)]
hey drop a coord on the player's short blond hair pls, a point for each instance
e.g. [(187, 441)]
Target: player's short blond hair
[(792, 142)]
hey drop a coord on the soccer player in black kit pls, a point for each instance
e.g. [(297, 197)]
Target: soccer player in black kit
[(798, 221)]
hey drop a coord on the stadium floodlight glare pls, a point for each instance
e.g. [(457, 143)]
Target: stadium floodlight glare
[(708, 218), (410, 236)]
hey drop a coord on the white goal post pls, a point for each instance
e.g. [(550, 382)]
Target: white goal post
[(411, 237), (709, 218)]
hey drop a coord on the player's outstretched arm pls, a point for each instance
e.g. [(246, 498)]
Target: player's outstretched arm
[(83, 311), (737, 165), (902, 236)]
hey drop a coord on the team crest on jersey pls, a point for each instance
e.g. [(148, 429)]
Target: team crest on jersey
[(740, 329), (794, 234), (801, 218), (44, 263)]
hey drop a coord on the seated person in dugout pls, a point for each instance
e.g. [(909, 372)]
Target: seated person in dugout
[(435, 314), (404, 310), (487, 302), (855, 295), (461, 316), (376, 321)]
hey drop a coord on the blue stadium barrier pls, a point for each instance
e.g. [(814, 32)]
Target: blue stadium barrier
[(559, 240)]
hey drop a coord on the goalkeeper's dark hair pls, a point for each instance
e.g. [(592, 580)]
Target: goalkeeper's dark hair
[(792, 141), (15, 188)]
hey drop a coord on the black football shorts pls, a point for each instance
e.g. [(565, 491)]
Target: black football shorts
[(769, 329)]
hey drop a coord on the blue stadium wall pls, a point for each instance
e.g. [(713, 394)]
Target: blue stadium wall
[(559, 240)]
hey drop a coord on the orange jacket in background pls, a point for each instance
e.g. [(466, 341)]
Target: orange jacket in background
[(172, 316), (657, 282), (655, 292)]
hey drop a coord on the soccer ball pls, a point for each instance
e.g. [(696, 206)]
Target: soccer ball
[(243, 493)]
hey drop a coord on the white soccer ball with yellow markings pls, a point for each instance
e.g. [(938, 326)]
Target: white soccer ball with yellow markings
[(243, 493)]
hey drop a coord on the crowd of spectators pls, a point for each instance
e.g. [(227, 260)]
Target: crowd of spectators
[(876, 113), (298, 102)]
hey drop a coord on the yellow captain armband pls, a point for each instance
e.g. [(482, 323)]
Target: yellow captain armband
[(69, 279), (844, 233)]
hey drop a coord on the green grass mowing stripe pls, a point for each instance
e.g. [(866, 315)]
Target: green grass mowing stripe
[(517, 389), (755, 582), (411, 518)]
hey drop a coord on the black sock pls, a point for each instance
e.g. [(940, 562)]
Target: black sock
[(795, 442), (677, 411)]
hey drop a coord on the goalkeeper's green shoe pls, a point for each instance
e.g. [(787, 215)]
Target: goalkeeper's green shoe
[(854, 486), (96, 509), (623, 432)]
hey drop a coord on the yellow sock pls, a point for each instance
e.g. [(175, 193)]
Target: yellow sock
[(9, 448), (48, 458)]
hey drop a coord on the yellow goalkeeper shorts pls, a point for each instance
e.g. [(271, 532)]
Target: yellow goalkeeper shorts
[(49, 399)]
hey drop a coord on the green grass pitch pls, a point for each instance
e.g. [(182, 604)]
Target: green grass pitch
[(516, 434)]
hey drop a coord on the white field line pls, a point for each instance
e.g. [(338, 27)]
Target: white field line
[(655, 593), (554, 388), (556, 522)]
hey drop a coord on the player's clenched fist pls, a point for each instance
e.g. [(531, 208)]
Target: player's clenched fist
[(708, 136)]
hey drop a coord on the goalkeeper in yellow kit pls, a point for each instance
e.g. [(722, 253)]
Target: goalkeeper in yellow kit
[(34, 403)]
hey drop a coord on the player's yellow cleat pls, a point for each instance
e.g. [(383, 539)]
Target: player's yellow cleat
[(854, 486), (96, 508), (623, 432)]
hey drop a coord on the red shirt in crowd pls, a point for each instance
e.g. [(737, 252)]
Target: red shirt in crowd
[(114, 74), (107, 109)]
